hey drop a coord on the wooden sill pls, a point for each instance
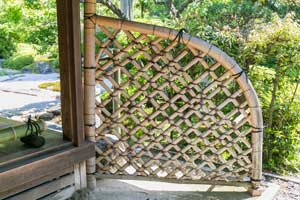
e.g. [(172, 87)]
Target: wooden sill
[(29, 167), (13, 151)]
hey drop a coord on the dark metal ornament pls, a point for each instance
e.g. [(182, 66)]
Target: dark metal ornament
[(33, 139)]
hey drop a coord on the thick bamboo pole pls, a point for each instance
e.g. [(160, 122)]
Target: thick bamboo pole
[(257, 148), (89, 84)]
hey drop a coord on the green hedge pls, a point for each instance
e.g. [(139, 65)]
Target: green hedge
[(18, 62)]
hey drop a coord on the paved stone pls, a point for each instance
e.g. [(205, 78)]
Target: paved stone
[(109, 189)]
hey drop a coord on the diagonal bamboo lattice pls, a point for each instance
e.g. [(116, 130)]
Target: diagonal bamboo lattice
[(172, 106)]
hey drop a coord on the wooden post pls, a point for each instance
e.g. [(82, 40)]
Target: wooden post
[(68, 20), (89, 84)]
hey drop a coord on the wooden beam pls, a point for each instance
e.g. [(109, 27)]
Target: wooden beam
[(43, 166), (64, 194), (45, 189), (34, 183), (68, 20)]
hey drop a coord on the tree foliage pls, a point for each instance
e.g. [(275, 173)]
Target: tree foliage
[(10, 16), (7, 39), (274, 49), (31, 22)]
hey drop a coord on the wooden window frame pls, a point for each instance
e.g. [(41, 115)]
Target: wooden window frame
[(68, 20)]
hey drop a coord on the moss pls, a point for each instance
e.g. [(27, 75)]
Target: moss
[(54, 86)]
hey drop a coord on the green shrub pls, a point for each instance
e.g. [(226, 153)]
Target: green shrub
[(18, 62), (7, 46), (273, 52), (56, 63)]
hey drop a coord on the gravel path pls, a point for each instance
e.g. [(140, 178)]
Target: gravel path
[(20, 94), (288, 190)]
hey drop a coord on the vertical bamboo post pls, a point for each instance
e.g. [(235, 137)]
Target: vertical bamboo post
[(89, 84), (257, 146)]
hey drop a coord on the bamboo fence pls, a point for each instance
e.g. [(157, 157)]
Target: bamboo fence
[(175, 107)]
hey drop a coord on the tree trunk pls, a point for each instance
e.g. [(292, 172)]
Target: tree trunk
[(183, 6), (290, 103), (271, 110), (142, 9), (127, 8), (171, 8), (273, 98), (113, 8), (294, 95)]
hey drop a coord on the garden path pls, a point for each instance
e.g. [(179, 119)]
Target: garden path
[(20, 94)]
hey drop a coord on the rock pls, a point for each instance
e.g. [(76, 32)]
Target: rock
[(26, 70), (56, 120), (46, 116), (44, 68), (39, 67), (55, 110)]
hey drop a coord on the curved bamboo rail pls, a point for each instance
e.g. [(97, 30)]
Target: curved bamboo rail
[(193, 44)]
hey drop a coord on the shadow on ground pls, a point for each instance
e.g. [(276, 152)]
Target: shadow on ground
[(109, 189), (30, 108)]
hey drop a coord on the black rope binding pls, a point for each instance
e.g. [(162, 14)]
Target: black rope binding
[(256, 129), (33, 136), (179, 36), (90, 17), (239, 74), (90, 125), (256, 180), (89, 67)]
